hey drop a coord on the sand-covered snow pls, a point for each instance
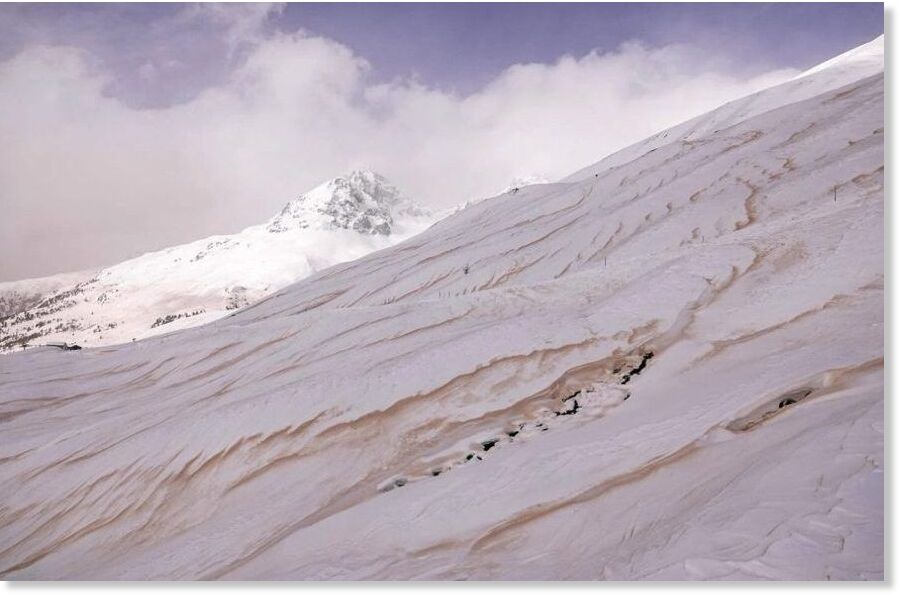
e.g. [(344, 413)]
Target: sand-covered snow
[(667, 366)]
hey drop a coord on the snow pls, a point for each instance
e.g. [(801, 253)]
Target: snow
[(855, 65), (340, 220), (713, 298), (21, 295), (524, 181)]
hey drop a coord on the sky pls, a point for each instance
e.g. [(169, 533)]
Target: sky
[(128, 128)]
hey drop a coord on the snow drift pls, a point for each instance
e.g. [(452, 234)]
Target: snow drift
[(667, 366)]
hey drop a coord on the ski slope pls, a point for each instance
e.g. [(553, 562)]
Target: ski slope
[(668, 365)]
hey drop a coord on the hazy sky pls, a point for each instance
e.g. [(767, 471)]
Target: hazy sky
[(128, 128)]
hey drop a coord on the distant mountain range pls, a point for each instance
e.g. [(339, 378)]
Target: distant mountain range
[(185, 285)]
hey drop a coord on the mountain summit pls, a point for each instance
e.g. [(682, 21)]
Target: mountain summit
[(362, 201)]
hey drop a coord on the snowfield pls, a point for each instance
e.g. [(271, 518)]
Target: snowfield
[(666, 366)]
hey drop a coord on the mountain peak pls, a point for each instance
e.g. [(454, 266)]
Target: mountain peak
[(361, 200)]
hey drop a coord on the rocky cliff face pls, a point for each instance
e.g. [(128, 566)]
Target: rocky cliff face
[(361, 201)]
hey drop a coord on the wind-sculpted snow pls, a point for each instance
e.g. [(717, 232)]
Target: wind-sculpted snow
[(669, 368)]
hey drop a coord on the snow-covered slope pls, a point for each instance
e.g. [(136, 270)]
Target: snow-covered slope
[(21, 295), (186, 285), (666, 367), (866, 60)]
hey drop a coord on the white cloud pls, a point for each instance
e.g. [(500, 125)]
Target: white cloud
[(87, 180)]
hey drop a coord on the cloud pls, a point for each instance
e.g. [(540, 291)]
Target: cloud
[(87, 179), (238, 24)]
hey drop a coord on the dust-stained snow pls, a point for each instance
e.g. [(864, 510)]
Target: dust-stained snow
[(667, 366)]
